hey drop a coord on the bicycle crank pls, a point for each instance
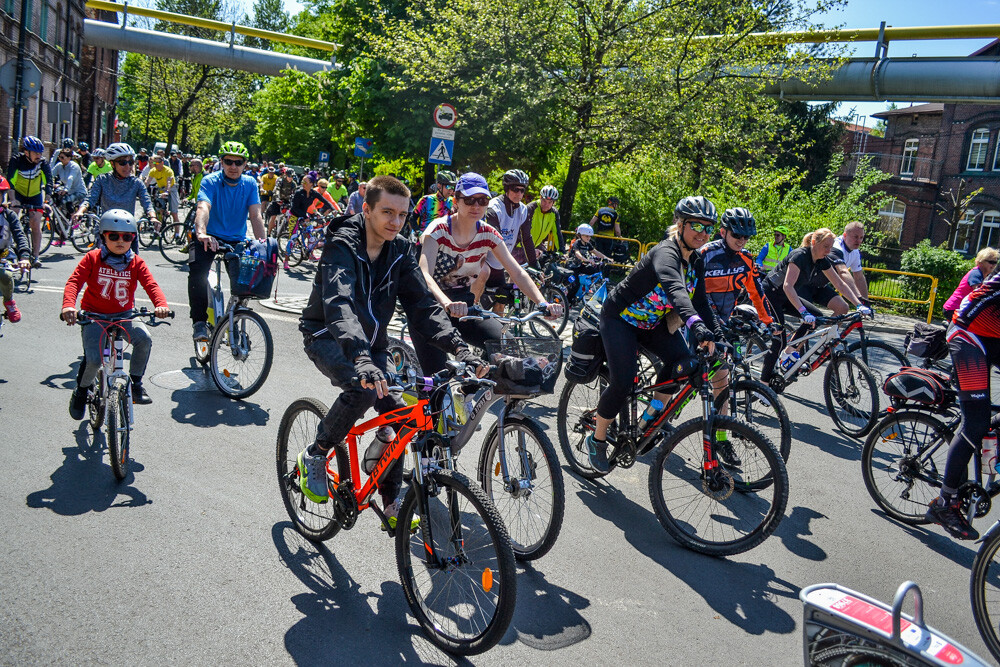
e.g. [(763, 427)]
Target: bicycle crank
[(969, 493)]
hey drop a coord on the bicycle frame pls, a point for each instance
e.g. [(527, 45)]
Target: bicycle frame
[(829, 338), (113, 362)]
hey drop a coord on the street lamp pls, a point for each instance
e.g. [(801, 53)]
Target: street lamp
[(123, 130)]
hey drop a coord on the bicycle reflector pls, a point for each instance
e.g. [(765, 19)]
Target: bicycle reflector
[(487, 579)]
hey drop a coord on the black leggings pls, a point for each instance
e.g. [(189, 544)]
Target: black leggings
[(783, 306), (199, 264), (474, 332), (973, 357), (621, 345)]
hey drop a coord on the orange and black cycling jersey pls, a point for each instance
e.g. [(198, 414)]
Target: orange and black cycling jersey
[(728, 275), (979, 312)]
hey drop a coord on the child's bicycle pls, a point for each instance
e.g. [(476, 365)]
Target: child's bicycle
[(457, 568), (22, 277), (109, 401), (714, 501), (240, 349)]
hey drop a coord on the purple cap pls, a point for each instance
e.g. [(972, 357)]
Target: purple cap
[(472, 184)]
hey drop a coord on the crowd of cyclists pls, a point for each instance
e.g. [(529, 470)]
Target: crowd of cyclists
[(437, 254)]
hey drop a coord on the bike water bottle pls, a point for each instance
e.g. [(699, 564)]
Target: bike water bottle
[(989, 453), (653, 410), (383, 437)]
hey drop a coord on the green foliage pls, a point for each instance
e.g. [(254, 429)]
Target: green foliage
[(947, 266)]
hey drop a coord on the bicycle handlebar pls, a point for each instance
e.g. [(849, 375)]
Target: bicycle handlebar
[(85, 317), (476, 314)]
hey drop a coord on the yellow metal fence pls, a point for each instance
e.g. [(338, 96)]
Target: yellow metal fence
[(903, 287)]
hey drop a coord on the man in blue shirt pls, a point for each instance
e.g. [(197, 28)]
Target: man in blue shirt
[(225, 200)]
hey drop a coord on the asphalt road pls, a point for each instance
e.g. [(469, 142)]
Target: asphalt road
[(192, 559)]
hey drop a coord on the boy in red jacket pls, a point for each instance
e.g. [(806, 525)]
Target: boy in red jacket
[(110, 275)]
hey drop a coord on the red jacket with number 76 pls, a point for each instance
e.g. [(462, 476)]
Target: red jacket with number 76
[(110, 291)]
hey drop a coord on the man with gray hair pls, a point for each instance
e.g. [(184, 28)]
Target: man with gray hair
[(356, 199), (846, 257)]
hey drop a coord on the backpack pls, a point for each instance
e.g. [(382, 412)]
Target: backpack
[(918, 385), (587, 352), (928, 340)]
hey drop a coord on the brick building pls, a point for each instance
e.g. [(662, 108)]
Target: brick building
[(83, 76), (929, 149)]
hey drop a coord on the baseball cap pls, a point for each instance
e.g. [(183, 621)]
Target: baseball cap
[(472, 183)]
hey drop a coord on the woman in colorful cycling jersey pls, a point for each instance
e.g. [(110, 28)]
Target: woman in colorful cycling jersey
[(974, 342), (663, 292)]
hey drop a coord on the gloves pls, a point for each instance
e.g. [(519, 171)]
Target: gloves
[(775, 328), (367, 371), (701, 332), (864, 310), (469, 358), (809, 318)]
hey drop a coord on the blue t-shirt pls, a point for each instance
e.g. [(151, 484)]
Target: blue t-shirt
[(227, 220)]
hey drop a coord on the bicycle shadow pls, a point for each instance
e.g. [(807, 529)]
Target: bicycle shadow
[(830, 441), (68, 379), (939, 542), (206, 409), (340, 619), (794, 527), (742, 593), (84, 482), (547, 617)]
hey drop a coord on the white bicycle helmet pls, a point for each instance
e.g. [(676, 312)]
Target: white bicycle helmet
[(118, 220), (549, 192), (585, 230), (118, 150)]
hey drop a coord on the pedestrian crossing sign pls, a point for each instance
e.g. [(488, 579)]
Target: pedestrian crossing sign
[(441, 151)]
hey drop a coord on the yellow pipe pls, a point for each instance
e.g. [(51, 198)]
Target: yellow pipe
[(212, 24), (986, 31)]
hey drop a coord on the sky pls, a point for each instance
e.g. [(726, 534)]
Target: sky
[(899, 13)]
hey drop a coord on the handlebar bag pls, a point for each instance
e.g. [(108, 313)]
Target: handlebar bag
[(587, 352), (258, 268)]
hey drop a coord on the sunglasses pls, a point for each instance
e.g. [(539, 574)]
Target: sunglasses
[(548, 198), (233, 163), (990, 261), (122, 236), (517, 189), (124, 163), (738, 237), (700, 227), (481, 200)]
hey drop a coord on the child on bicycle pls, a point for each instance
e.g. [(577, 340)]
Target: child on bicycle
[(110, 275), (12, 240), (582, 253)]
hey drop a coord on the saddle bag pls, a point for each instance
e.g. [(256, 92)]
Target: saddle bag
[(918, 385), (929, 341), (587, 352)]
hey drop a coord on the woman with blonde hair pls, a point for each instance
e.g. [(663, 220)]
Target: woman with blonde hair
[(797, 285), (986, 263)]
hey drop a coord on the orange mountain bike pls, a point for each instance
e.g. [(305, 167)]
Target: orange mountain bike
[(457, 567)]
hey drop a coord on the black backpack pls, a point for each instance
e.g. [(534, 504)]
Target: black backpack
[(929, 341), (587, 353)]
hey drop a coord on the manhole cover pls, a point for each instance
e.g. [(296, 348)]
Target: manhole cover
[(287, 304), (185, 379)]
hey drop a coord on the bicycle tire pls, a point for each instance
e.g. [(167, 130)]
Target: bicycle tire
[(82, 236), (479, 559), (683, 451), (882, 358), (174, 238), (852, 414), (554, 294), (118, 431), (982, 599), (282, 239), (753, 402), (95, 406), (403, 356), (575, 420), (296, 253), (533, 519), (146, 231), (297, 430), (231, 372), (540, 328), (901, 478), (48, 233)]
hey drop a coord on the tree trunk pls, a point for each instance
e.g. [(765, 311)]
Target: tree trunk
[(570, 186), (184, 134)]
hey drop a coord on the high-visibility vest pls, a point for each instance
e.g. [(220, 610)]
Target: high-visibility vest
[(776, 253)]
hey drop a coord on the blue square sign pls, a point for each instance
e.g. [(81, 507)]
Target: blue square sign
[(362, 147), (441, 150)]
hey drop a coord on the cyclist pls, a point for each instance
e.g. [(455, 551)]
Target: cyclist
[(283, 192), (773, 253), (12, 240), (664, 291), (434, 205), (70, 175), (141, 160), (357, 199), (328, 202), (119, 189), (338, 191), (509, 216), (582, 253), (85, 155), (974, 342), (366, 266), (268, 180), (452, 255), (986, 261), (605, 222), (225, 200), (846, 256), (99, 166), (163, 177), (110, 274), (306, 200), (197, 173), (545, 229), (797, 284), (31, 179)]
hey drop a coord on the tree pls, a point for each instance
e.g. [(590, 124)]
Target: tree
[(267, 15), (954, 207)]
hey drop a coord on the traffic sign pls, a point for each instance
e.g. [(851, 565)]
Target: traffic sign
[(362, 147), (324, 156), (445, 116), (441, 151), (438, 133), (31, 79)]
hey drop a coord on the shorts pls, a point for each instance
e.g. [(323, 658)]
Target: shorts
[(33, 203), (819, 295), (173, 199)]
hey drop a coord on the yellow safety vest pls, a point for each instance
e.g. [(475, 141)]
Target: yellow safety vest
[(543, 227), (776, 253)]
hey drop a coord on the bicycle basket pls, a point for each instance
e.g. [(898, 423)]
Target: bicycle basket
[(524, 365), (258, 267)]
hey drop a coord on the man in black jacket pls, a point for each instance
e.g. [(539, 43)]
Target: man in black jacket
[(365, 267)]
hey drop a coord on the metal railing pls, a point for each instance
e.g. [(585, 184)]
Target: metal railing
[(906, 290), (906, 168)]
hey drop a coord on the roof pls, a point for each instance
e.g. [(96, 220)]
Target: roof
[(991, 49), (854, 127), (935, 107)]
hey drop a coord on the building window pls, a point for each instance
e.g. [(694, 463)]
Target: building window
[(964, 234), (909, 157), (8, 6), (996, 158), (43, 22), (977, 149), (989, 230), (27, 17), (890, 218)]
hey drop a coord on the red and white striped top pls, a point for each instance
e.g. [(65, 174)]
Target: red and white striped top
[(457, 267)]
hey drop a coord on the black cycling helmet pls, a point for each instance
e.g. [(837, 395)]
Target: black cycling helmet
[(696, 207), (447, 178), (613, 200), (739, 221), (68, 143), (514, 177), (84, 146)]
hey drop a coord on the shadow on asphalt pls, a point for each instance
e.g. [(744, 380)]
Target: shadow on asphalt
[(210, 408), (341, 624), (547, 616), (742, 593), (830, 441), (793, 529), (65, 380), (84, 482), (934, 537)]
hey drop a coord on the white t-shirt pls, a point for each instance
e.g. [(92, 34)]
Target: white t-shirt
[(456, 266), (841, 255)]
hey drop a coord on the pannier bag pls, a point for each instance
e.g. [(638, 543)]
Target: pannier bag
[(928, 340), (587, 353), (258, 267), (918, 385)]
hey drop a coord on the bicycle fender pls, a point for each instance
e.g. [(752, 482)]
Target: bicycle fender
[(989, 534)]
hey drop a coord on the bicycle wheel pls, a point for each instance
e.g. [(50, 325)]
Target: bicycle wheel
[(147, 232), (240, 363), (540, 328), (48, 233), (755, 403), (533, 502), (754, 349), (458, 569), (576, 419), (282, 239), (174, 243), (852, 396), (296, 252), (82, 235), (903, 463), (119, 431), (403, 357), (555, 294), (985, 592), (316, 522), (881, 358), (728, 510), (95, 406)]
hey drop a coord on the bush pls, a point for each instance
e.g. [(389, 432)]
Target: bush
[(947, 266)]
